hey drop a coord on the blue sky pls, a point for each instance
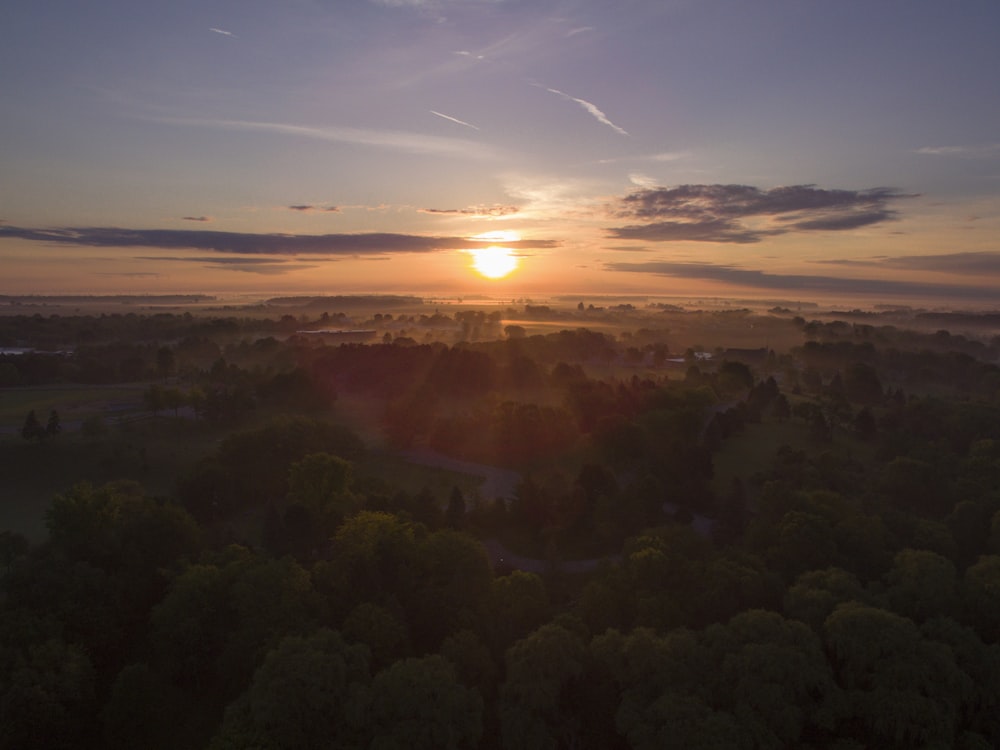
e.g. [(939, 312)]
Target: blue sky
[(691, 148)]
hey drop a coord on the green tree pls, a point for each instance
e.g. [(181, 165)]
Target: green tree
[(420, 704), (455, 513), (664, 693), (378, 629), (218, 620), (138, 710), (165, 361), (816, 593), (12, 547), (981, 593), (32, 428), (472, 660), (536, 709), (901, 691), (320, 484), (921, 584), (302, 696), (373, 558), (515, 605), (53, 427), (772, 674), (154, 398), (453, 580), (47, 699)]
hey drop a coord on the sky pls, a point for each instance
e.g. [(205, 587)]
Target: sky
[(786, 149)]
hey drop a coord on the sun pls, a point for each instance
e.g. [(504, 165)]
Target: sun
[(493, 262)]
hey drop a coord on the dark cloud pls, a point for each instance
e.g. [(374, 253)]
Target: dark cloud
[(239, 243), (262, 266), (130, 275), (628, 249), (757, 279), (305, 207), (718, 213), (848, 220), (708, 230), (196, 218), (473, 211), (965, 264)]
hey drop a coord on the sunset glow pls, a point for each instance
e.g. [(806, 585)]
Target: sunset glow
[(287, 149), (494, 262)]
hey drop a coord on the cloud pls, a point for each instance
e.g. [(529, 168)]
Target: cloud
[(590, 107), (454, 119), (642, 180), (851, 220), (579, 30), (977, 264), (414, 143), (196, 218), (129, 274), (306, 208), (983, 151), (473, 211), (707, 230), (223, 32), (662, 156), (261, 266), (669, 156), (239, 243), (718, 213), (802, 283)]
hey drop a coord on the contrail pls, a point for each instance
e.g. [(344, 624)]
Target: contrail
[(223, 32), (454, 119), (591, 108)]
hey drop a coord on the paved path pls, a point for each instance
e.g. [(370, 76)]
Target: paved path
[(501, 557)]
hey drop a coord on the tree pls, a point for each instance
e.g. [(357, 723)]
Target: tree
[(781, 410), (453, 578), (373, 558), (472, 660), (12, 547), (138, 710), (901, 691), (320, 483), (772, 674), (420, 704), (300, 697), (154, 398), (817, 593), (165, 361), (32, 429), (455, 514), (921, 584), (517, 604), (981, 589), (535, 709), (53, 427), (378, 629), (47, 699)]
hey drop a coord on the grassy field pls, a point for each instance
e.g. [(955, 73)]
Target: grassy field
[(155, 452), (74, 403)]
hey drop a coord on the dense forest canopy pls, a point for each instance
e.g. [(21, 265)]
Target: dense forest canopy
[(629, 526)]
